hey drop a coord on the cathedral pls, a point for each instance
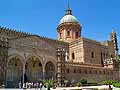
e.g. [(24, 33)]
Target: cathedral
[(30, 58)]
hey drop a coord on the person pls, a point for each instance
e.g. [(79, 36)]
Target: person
[(40, 86), (32, 85), (43, 87), (110, 87), (20, 85)]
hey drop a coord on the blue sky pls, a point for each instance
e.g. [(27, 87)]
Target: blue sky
[(97, 17)]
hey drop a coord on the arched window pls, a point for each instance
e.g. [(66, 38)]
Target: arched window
[(73, 56), (74, 70), (68, 70), (92, 54), (60, 35), (79, 70), (77, 34), (68, 33)]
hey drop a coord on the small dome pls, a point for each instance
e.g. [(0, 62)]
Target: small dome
[(68, 18)]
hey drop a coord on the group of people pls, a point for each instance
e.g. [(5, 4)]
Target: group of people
[(35, 85)]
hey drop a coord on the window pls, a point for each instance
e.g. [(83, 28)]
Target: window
[(74, 70), (92, 54), (90, 72), (85, 71), (100, 72), (79, 70), (111, 56), (73, 56), (16, 64), (102, 60), (60, 35), (68, 71), (40, 64), (68, 33), (77, 34), (95, 71), (103, 72), (67, 57)]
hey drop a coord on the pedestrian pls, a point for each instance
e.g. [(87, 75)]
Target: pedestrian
[(20, 85), (43, 87), (110, 87), (40, 86)]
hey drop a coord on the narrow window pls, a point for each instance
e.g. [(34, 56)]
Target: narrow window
[(102, 60), (68, 71), (77, 34), (90, 72), (68, 33), (60, 35), (92, 54), (74, 70), (40, 64), (73, 56), (79, 70), (16, 64), (85, 71), (103, 72), (95, 71)]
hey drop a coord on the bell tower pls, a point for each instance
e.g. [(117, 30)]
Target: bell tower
[(69, 28), (113, 38)]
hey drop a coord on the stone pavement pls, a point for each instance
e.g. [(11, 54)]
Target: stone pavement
[(69, 88)]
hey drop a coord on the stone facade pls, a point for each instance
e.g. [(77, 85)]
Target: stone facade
[(31, 58)]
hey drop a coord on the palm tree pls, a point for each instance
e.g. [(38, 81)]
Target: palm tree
[(48, 83)]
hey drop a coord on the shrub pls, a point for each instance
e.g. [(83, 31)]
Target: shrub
[(116, 84), (83, 81), (108, 82), (92, 84), (78, 84), (48, 83)]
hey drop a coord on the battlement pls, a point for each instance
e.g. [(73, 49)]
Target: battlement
[(12, 33)]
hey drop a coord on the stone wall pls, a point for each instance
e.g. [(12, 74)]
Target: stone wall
[(91, 73)]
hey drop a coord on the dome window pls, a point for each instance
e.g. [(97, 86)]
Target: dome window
[(60, 35), (77, 34), (68, 33)]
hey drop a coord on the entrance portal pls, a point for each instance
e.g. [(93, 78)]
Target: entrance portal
[(50, 71), (14, 72), (33, 69)]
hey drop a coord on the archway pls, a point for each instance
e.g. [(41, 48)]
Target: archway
[(14, 72), (33, 68), (50, 71)]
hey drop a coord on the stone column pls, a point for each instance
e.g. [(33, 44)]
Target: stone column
[(63, 65), (23, 78), (43, 72), (60, 66)]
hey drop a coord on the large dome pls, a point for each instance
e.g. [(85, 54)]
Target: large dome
[(68, 18)]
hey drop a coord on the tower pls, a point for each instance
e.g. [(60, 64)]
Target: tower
[(68, 28), (113, 38)]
